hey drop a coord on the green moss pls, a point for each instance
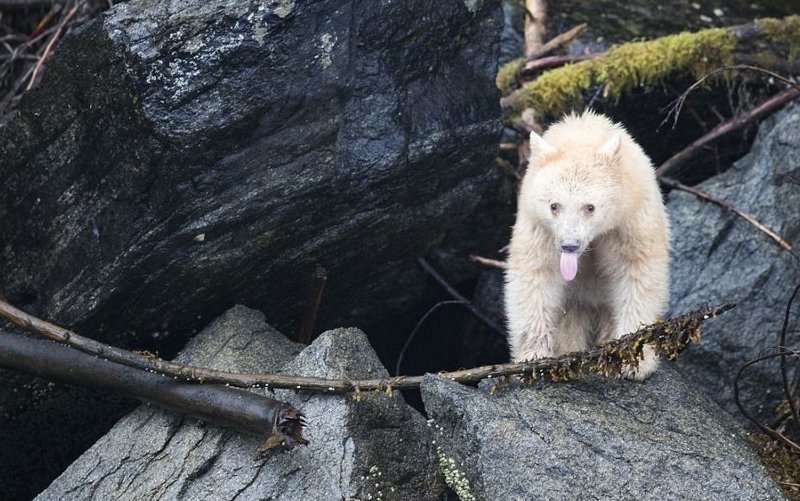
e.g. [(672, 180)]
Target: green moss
[(625, 67), (786, 30), (507, 74)]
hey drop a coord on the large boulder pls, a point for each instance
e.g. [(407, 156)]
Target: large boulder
[(374, 448), (181, 157), (717, 256), (591, 439)]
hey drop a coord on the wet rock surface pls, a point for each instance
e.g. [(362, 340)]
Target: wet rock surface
[(375, 448), (182, 157), (592, 439), (719, 257)]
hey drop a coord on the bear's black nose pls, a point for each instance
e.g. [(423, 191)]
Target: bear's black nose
[(570, 247)]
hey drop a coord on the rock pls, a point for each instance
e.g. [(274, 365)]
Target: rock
[(180, 157), (591, 439), (376, 447), (719, 257)]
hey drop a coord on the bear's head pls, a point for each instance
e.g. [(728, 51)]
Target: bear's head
[(575, 190)]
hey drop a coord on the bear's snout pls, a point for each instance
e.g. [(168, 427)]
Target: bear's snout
[(570, 246)]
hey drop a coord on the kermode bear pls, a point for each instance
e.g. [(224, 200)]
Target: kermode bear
[(589, 255)]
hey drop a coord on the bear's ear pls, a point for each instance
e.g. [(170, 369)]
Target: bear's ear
[(611, 146), (541, 149)]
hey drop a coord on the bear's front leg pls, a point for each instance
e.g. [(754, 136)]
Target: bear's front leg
[(534, 306), (638, 297)]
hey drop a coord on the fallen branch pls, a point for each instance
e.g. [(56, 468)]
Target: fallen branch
[(770, 105), (494, 263), (668, 337), (790, 394), (248, 412), (318, 279), (557, 41), (672, 183), (536, 66), (636, 65), (456, 295)]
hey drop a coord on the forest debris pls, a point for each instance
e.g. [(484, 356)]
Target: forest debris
[(669, 337), (318, 279), (647, 64), (749, 117), (480, 315), (279, 422), (672, 183)]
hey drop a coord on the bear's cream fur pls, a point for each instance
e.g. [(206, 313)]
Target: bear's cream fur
[(589, 255)]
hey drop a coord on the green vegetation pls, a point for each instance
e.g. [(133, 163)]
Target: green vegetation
[(643, 64)]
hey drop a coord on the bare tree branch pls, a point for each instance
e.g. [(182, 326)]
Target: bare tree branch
[(279, 422), (456, 295), (672, 183), (318, 279), (770, 105), (668, 337)]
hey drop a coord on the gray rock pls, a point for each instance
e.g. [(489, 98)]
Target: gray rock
[(183, 156), (377, 448), (592, 439), (718, 257)]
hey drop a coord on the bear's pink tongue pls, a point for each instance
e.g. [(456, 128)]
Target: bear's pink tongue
[(569, 265)]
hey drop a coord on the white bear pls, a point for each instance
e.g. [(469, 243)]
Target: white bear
[(589, 254)]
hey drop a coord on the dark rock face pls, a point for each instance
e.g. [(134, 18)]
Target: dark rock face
[(183, 157), (718, 257), (376, 448), (592, 439)]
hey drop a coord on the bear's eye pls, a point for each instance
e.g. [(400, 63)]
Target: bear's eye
[(554, 208), (589, 208)]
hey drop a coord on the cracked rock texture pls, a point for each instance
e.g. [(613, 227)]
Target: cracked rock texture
[(592, 439), (377, 448), (183, 156), (719, 257)]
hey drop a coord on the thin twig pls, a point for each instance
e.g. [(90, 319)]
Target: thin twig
[(677, 105), (488, 262), (416, 328), (672, 183), (790, 398), (456, 295), (318, 279), (669, 337), (770, 105), (736, 398), (49, 47), (559, 40)]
